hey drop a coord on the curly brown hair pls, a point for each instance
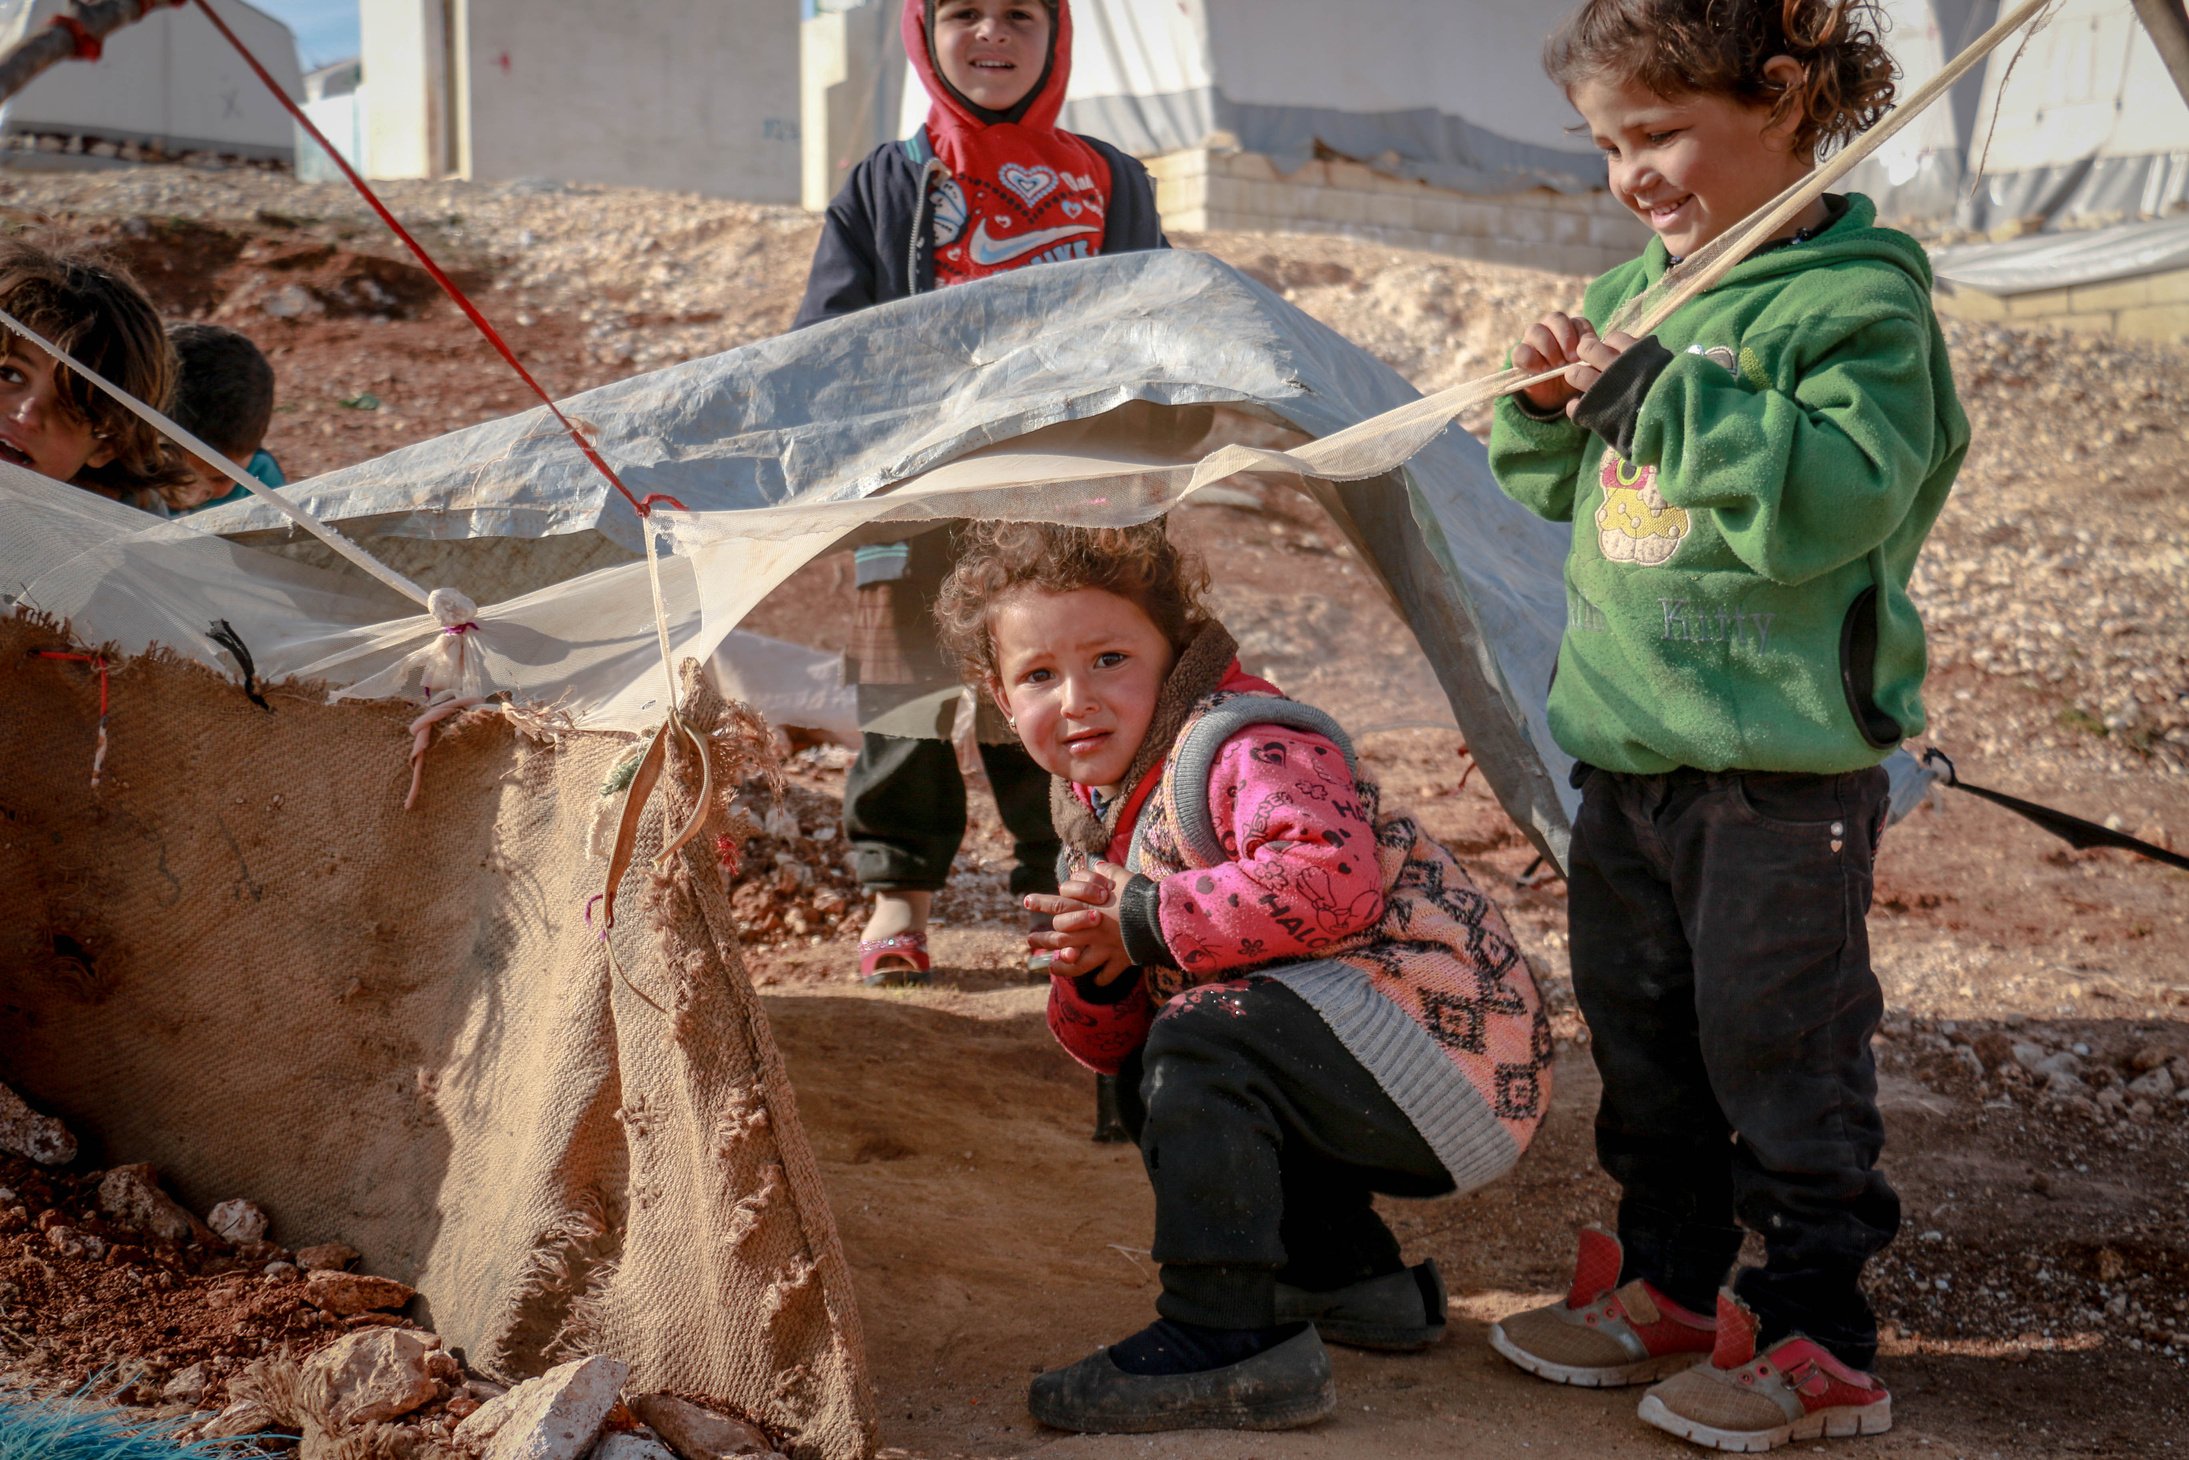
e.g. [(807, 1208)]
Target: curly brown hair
[(1719, 47), (89, 306), (997, 559)]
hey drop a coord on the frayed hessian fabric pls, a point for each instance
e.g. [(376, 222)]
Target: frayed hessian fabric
[(241, 960)]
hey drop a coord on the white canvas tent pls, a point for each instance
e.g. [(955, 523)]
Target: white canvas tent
[(2081, 127), (169, 81)]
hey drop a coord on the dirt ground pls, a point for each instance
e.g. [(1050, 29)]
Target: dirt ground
[(2038, 1299)]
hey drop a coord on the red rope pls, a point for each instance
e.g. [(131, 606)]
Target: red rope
[(471, 311), (88, 46)]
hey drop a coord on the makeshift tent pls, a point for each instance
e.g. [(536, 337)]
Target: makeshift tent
[(2081, 126), (168, 81), (240, 958)]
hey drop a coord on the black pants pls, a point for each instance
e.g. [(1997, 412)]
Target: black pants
[(1722, 960), (904, 813), (1265, 1141)]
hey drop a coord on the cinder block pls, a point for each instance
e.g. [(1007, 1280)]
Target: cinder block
[(1477, 218), (2081, 324), (1348, 174), (1621, 231), (2115, 294), (1435, 212), (1358, 209), (2154, 322), (1252, 166), (1567, 226), (2172, 288), (2037, 305), (1228, 196), (1966, 303), (1314, 173)]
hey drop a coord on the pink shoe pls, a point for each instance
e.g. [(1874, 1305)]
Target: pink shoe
[(1749, 1402), (1600, 1337), (895, 961)]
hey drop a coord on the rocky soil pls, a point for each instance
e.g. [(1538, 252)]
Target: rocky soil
[(113, 1291), (2034, 1058)]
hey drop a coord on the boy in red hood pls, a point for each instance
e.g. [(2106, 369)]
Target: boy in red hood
[(989, 184)]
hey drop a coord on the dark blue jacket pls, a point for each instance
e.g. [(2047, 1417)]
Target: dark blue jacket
[(876, 244)]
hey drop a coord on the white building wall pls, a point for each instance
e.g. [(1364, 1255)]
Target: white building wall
[(691, 95), (401, 50), (170, 79)]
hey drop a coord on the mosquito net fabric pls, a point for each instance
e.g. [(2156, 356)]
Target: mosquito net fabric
[(1103, 393)]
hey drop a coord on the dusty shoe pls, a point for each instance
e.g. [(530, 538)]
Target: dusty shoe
[(1400, 1311), (1280, 1388), (1749, 1402), (1599, 1337)]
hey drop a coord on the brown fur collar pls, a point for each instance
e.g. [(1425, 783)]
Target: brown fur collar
[(1199, 670)]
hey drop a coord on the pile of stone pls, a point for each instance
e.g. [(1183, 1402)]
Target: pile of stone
[(355, 1369), (792, 883), (2144, 1082), (401, 1392)]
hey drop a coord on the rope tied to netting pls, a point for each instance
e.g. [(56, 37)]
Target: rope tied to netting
[(456, 632), (99, 663), (224, 634)]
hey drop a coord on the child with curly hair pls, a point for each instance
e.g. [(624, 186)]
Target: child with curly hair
[(1305, 998), (59, 425), (1748, 489)]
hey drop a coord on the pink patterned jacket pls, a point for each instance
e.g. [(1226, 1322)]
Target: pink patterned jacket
[(1304, 865)]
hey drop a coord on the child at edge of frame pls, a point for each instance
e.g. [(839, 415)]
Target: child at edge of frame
[(1304, 998), (224, 396), (1749, 488), (58, 424)]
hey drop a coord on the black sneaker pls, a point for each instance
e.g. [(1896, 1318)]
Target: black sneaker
[(1399, 1312), (1280, 1388)]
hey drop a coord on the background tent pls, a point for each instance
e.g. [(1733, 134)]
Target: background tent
[(2081, 127), (169, 81)]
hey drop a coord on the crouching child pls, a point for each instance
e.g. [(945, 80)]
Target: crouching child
[(1304, 997)]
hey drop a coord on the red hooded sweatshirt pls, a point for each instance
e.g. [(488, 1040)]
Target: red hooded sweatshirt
[(1019, 191)]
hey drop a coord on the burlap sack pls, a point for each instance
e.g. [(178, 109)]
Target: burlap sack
[(242, 960)]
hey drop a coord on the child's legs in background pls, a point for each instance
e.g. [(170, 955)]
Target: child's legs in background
[(1659, 1131), (1769, 877), (1022, 796), (1265, 1140)]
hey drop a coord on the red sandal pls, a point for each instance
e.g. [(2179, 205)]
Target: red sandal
[(894, 962)]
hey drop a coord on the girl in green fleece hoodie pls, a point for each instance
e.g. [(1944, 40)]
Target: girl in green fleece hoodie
[(1748, 489)]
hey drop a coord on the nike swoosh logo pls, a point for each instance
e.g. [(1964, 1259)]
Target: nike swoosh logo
[(988, 253)]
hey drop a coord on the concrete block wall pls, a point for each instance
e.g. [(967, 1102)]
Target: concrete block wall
[(1201, 190), (2154, 307)]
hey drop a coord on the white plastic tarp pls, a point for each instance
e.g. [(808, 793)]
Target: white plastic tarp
[(2063, 260), (756, 440), (169, 79)]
